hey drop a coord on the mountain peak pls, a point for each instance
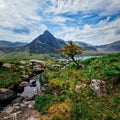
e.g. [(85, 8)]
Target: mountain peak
[(44, 43), (46, 32)]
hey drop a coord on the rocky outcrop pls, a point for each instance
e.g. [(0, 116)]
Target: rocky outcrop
[(99, 87), (6, 96), (37, 65)]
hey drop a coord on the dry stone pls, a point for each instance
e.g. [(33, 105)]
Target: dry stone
[(99, 87)]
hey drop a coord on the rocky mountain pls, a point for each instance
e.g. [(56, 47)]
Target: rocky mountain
[(112, 47), (45, 43)]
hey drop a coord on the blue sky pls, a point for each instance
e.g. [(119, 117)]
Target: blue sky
[(92, 21)]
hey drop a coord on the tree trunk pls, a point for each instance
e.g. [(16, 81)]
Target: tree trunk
[(78, 65)]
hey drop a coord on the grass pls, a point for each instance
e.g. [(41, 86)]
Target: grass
[(24, 55), (83, 105), (60, 101), (10, 76)]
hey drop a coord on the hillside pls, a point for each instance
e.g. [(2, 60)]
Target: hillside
[(112, 47), (85, 45), (7, 47), (60, 100)]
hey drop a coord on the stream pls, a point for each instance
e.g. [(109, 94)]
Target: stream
[(32, 89), (22, 108)]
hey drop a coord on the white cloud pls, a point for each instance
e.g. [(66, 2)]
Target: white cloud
[(104, 7), (20, 14), (102, 33), (37, 16)]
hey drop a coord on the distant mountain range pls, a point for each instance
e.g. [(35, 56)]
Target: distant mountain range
[(4, 43), (6, 46), (115, 46), (85, 45), (47, 43), (112, 47)]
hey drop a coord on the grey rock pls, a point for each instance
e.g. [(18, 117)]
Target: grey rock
[(17, 107), (99, 87), (18, 100), (22, 105), (31, 105)]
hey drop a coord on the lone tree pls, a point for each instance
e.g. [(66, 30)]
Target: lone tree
[(71, 50)]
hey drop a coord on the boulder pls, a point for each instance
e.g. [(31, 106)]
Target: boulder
[(38, 66), (56, 66), (37, 62), (7, 65), (6, 96), (99, 87)]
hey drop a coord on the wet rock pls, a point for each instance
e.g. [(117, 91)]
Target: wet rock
[(33, 84), (18, 88), (6, 96), (29, 98), (18, 100), (24, 83), (99, 87)]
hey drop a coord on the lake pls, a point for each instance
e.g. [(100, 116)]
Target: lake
[(77, 58)]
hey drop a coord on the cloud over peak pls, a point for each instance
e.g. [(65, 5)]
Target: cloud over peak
[(95, 22)]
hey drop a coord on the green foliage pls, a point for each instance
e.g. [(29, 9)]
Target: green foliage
[(84, 104), (106, 67), (25, 55), (63, 102), (43, 102), (9, 76), (71, 50)]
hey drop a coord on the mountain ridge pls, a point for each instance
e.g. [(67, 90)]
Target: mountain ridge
[(5, 43), (47, 43)]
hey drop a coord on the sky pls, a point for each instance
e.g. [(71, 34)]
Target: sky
[(95, 22)]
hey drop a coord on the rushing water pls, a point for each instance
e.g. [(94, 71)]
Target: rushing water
[(32, 89)]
